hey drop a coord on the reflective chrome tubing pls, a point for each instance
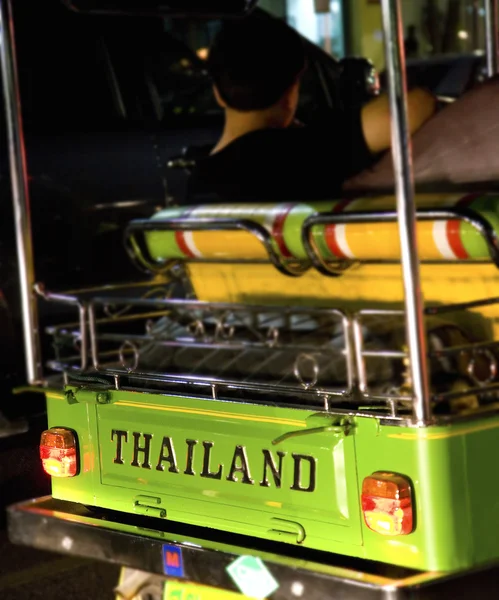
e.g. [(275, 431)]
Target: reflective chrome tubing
[(402, 160), (20, 192), (492, 36)]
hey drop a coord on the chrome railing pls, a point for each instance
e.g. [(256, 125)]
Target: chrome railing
[(299, 356)]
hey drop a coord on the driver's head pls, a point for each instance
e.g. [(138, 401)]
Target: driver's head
[(256, 65)]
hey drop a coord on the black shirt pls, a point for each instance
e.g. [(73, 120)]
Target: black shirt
[(299, 163)]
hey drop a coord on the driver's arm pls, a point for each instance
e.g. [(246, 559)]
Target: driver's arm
[(421, 106)]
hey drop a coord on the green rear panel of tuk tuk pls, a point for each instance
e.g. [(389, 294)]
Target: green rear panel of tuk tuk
[(456, 489)]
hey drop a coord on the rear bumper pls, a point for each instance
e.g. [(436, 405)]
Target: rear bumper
[(138, 543)]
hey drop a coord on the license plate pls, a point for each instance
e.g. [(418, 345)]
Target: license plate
[(175, 590)]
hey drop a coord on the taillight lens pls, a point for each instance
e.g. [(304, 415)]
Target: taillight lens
[(387, 504), (58, 452)]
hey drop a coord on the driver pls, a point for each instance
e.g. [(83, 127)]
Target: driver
[(263, 154)]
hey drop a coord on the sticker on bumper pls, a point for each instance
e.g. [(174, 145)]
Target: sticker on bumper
[(252, 577), (175, 590), (173, 565)]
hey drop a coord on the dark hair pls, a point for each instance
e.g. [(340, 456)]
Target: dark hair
[(254, 61)]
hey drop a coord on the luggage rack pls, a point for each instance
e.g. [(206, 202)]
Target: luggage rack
[(262, 349), (143, 338)]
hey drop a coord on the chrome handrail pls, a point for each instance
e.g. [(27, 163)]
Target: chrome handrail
[(476, 220), (142, 259), (393, 28), (492, 36)]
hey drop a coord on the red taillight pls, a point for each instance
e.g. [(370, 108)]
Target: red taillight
[(58, 452), (387, 503)]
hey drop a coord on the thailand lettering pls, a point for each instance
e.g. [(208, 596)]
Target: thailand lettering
[(144, 451)]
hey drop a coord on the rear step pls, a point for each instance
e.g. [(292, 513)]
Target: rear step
[(161, 548)]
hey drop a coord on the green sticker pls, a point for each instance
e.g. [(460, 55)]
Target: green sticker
[(252, 577), (176, 590)]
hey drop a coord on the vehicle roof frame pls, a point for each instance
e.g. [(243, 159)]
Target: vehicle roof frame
[(402, 158), (20, 193), (393, 31), (492, 36)]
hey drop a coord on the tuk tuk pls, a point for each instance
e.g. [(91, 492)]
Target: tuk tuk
[(300, 400)]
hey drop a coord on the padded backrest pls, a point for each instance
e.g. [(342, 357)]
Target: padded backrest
[(237, 268), (448, 239)]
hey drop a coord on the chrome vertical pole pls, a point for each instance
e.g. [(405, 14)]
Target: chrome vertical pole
[(492, 36), (20, 191), (402, 161)]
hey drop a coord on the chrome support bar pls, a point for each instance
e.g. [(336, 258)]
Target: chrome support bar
[(479, 222), (402, 161), (142, 261), (82, 335), (20, 192), (492, 36)]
